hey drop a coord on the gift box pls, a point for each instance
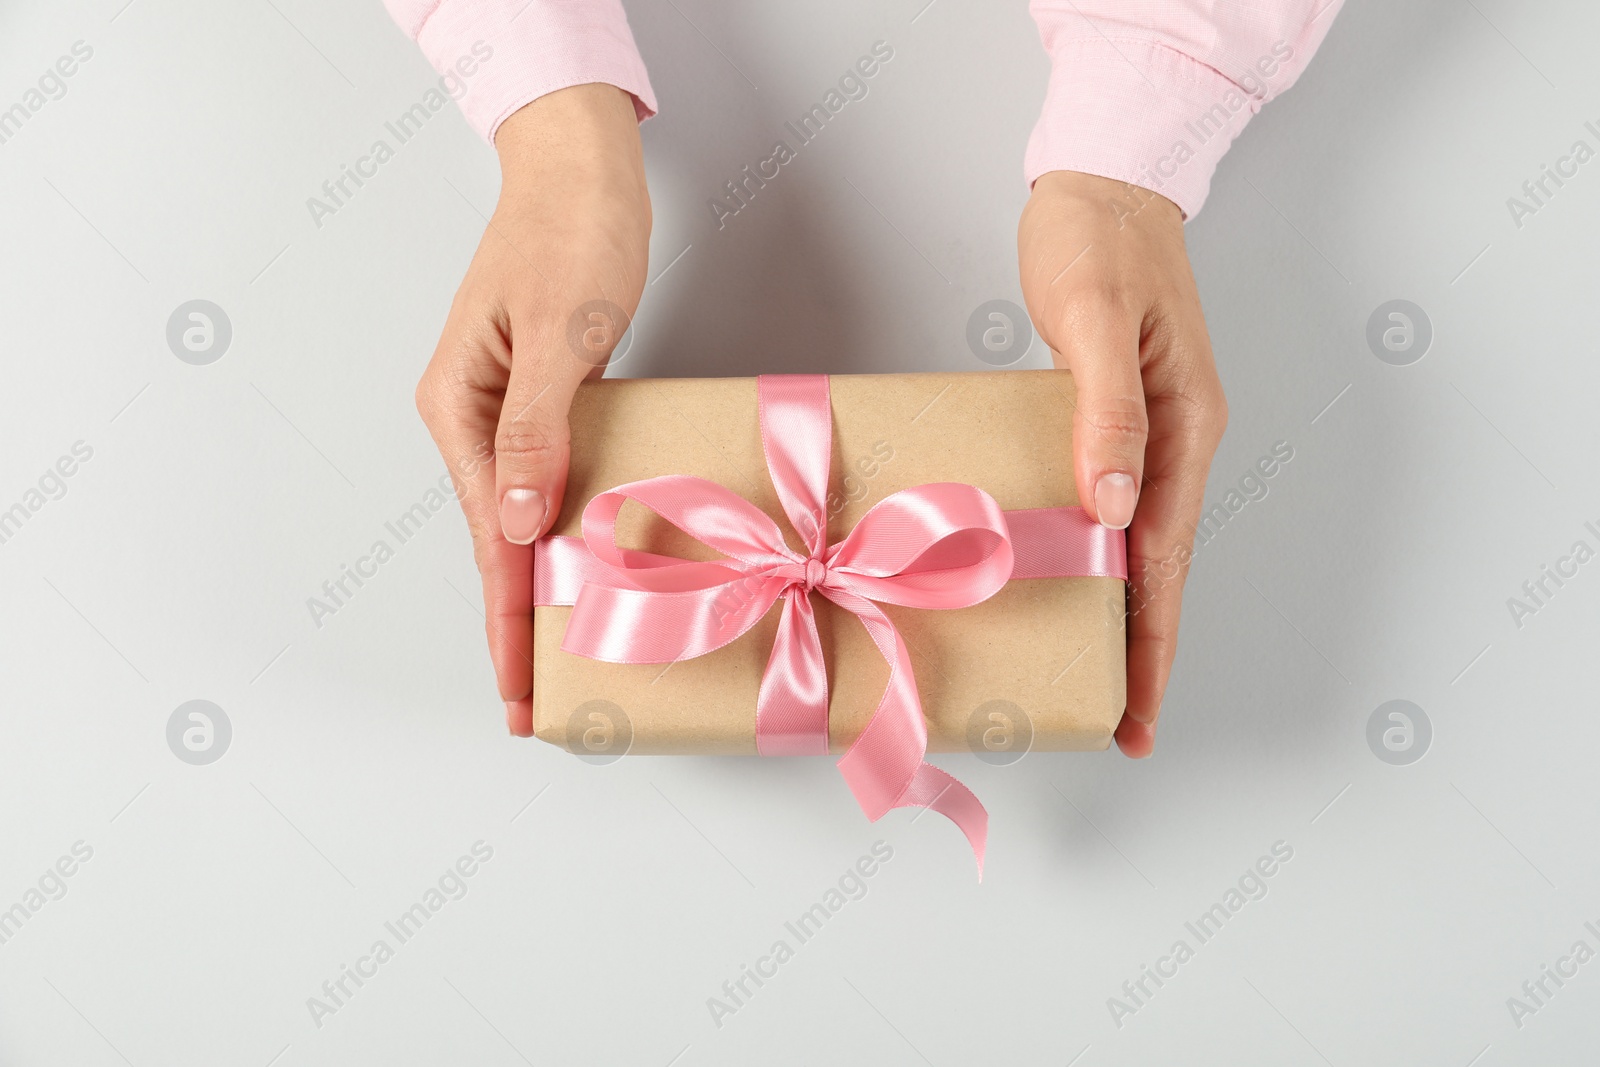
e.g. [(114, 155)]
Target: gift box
[(1037, 665)]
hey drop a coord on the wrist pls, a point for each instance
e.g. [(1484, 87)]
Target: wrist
[(590, 125), (1123, 200), (1092, 199)]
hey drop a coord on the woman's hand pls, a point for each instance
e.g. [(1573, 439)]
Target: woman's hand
[(554, 284), (1108, 285)]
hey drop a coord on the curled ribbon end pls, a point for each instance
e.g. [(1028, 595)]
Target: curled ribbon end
[(933, 788)]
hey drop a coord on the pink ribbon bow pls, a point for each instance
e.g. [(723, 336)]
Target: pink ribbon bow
[(944, 545)]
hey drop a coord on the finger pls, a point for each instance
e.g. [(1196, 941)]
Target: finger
[(508, 624), (459, 399), (1135, 739), (519, 717), (1099, 341), (533, 442), (1185, 429), (532, 451)]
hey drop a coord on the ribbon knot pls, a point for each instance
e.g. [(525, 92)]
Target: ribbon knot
[(938, 546), (816, 574)]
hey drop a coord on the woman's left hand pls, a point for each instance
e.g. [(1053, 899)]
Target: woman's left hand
[(1107, 282)]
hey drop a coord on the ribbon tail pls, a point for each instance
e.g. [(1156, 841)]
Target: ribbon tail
[(884, 768), (941, 791), (928, 787)]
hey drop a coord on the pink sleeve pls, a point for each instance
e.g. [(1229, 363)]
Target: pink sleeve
[(502, 54), (1152, 92)]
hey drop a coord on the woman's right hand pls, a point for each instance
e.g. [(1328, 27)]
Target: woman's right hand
[(552, 287)]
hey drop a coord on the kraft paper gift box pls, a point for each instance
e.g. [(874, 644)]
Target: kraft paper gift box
[(1052, 647)]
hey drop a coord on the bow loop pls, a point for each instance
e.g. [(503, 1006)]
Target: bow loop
[(943, 545), (704, 510), (663, 609)]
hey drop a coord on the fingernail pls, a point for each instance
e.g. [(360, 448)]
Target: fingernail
[(522, 513), (1114, 498), (511, 716)]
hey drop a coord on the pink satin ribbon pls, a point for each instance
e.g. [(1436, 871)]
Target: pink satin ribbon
[(943, 545)]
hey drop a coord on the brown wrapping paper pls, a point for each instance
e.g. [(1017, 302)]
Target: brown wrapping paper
[(1051, 647)]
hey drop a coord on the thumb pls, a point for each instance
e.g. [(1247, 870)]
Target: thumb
[(1111, 425), (532, 443)]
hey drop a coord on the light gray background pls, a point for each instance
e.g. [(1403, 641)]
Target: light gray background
[(369, 754)]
